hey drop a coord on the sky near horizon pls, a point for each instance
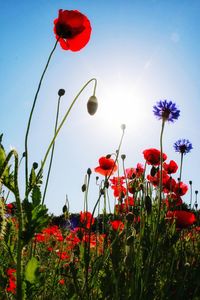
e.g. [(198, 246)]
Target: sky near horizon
[(139, 51)]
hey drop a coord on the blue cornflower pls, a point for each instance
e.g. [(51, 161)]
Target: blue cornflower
[(183, 146), (166, 110)]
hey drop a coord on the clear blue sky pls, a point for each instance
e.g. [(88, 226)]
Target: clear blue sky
[(140, 52)]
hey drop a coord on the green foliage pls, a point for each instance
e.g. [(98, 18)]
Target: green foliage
[(35, 219), (3, 219), (31, 270), (6, 176)]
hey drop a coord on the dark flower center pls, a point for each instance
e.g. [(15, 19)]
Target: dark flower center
[(182, 148), (67, 32), (166, 112)]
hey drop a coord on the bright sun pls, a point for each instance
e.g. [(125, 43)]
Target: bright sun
[(120, 105)]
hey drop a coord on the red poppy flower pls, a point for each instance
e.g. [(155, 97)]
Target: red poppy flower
[(156, 179), (117, 225), (183, 218), (86, 219), (169, 185), (121, 208), (152, 156), (180, 188), (129, 201), (173, 201), (135, 172), (11, 281), (117, 186), (63, 255), (72, 29), (10, 272), (117, 180), (107, 166), (11, 286), (61, 281), (170, 168)]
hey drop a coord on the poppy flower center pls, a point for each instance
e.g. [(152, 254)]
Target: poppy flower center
[(106, 165), (67, 32)]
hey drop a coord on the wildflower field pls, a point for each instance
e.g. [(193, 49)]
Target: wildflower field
[(143, 244)]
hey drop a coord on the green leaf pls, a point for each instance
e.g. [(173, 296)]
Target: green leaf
[(32, 178), (31, 270), (2, 155), (36, 195)]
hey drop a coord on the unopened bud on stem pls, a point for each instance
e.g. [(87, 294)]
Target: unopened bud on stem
[(61, 92), (92, 105)]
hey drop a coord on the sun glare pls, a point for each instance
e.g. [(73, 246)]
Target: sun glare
[(120, 105)]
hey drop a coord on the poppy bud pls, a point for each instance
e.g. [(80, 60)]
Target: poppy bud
[(123, 156), (35, 165), (64, 209), (61, 92), (83, 188), (92, 105), (89, 171), (123, 126)]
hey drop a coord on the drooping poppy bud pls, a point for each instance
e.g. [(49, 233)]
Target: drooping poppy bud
[(92, 105)]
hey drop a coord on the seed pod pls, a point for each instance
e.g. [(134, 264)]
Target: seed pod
[(83, 188), (89, 171)]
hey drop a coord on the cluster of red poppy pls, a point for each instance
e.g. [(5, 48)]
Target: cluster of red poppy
[(63, 244), (126, 188)]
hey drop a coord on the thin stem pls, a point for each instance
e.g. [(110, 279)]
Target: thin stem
[(61, 124), (52, 151), (31, 114), (86, 192), (190, 182), (161, 170), (181, 167), (20, 230)]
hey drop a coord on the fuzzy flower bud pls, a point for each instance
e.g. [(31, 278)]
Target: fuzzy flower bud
[(92, 105), (61, 92)]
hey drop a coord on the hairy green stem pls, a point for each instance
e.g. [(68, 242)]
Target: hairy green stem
[(19, 294), (31, 114), (52, 152)]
